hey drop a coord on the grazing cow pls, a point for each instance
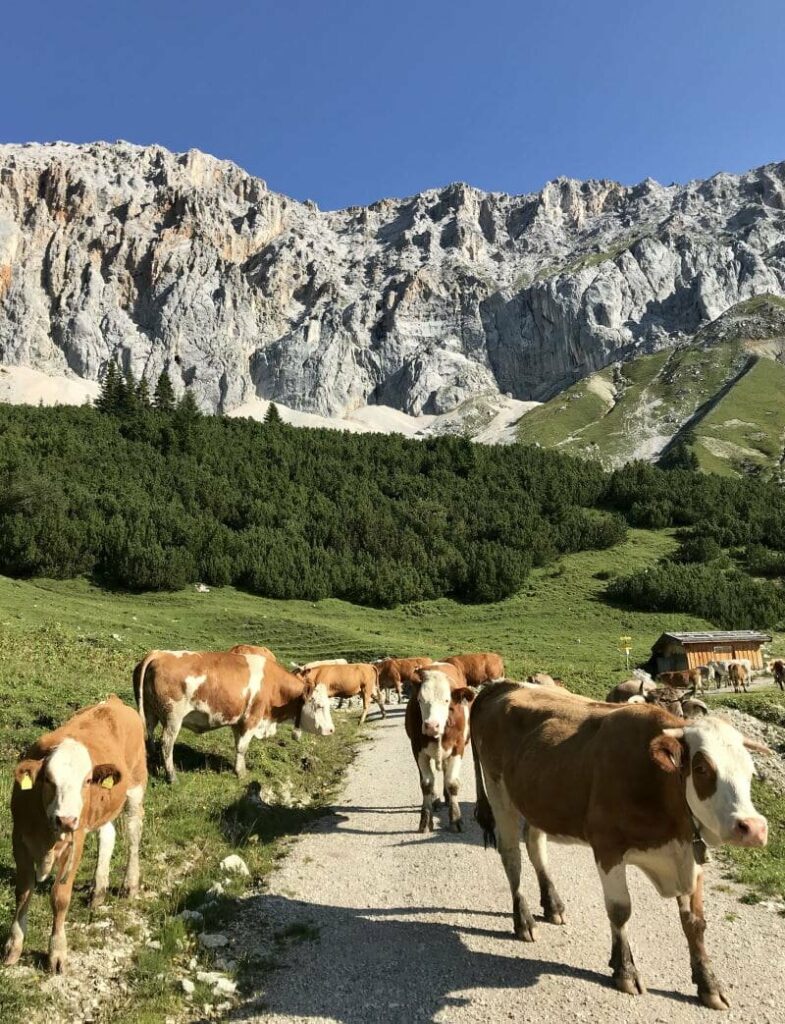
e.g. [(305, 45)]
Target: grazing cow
[(636, 784), (543, 679), (739, 676), (622, 692), (348, 681), (394, 672), (298, 669), (212, 689), (479, 669), (72, 781), (778, 671), (437, 724)]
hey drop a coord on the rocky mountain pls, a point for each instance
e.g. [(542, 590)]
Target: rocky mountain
[(186, 262)]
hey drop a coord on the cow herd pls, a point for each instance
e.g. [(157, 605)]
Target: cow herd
[(645, 778)]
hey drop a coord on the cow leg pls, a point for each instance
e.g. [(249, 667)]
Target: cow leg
[(452, 781), (710, 990), (619, 907), (106, 838), (242, 740), (537, 848), (366, 705), (134, 809), (61, 901), (171, 731), (508, 843), (427, 784), (25, 883), (380, 702)]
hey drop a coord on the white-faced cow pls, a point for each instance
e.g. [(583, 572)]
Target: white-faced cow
[(343, 681), (636, 784), (437, 724), (72, 781), (210, 690)]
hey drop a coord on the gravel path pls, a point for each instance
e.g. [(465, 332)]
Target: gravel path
[(372, 922)]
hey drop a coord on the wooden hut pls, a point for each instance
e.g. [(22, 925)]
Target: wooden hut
[(676, 651)]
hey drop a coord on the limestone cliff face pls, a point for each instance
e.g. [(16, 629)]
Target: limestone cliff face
[(186, 262)]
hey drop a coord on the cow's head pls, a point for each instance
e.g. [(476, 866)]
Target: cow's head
[(714, 758), (63, 779), (315, 716), (435, 691)]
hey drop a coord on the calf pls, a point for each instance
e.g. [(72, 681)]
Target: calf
[(212, 689), (636, 784), (479, 669), (72, 781), (778, 671), (437, 724), (622, 692), (344, 681), (394, 672), (738, 675), (684, 679)]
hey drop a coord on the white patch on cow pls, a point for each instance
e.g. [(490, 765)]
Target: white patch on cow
[(192, 684), (68, 767), (434, 700), (256, 664), (731, 802), (315, 717), (177, 654), (265, 729), (671, 868), (567, 840)]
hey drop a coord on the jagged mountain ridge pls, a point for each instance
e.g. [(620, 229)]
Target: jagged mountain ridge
[(187, 262)]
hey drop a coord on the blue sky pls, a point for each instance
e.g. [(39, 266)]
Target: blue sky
[(347, 101)]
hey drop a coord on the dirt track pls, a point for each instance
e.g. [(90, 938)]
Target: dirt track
[(410, 928)]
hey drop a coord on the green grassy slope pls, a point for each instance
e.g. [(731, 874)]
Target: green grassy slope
[(615, 415)]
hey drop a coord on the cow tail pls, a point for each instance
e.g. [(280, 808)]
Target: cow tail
[(139, 673), (483, 812), (378, 694)]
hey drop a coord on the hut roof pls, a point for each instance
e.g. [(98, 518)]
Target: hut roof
[(718, 637)]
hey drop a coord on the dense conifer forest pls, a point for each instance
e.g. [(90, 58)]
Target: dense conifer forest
[(144, 493)]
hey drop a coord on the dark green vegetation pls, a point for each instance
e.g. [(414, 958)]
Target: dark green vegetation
[(146, 500), (717, 398)]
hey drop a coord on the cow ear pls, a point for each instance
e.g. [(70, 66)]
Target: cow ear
[(464, 695), (106, 775), (755, 746), (26, 772), (667, 752)]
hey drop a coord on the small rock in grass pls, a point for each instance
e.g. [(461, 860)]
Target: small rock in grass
[(224, 987), (213, 940), (188, 986), (236, 865), (191, 917)]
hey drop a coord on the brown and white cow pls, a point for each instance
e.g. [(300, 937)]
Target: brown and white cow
[(479, 669), (778, 671), (345, 681), (636, 784), (437, 724), (72, 781), (739, 676), (394, 672), (207, 690)]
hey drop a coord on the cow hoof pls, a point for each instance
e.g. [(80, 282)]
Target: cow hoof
[(715, 1000), (457, 825), (97, 899), (12, 953), (556, 917), (57, 962), (630, 984), (129, 892), (437, 802)]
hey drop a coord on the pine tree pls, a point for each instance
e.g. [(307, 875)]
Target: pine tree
[(107, 400), (272, 415), (163, 397), (129, 403), (143, 393), (187, 409)]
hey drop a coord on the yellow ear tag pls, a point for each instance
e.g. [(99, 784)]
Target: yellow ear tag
[(25, 782), (108, 782)]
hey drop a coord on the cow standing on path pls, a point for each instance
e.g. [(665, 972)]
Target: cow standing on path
[(437, 724), (212, 689), (72, 781), (394, 672), (636, 784), (344, 681)]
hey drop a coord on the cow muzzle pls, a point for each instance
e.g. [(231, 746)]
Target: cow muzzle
[(432, 729), (750, 832), (66, 824)]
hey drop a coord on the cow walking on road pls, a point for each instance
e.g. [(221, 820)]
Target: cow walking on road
[(636, 784), (343, 681)]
